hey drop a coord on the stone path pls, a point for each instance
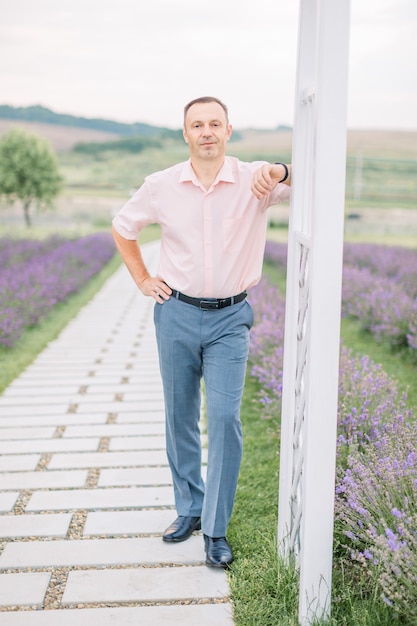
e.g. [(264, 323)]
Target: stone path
[(85, 491)]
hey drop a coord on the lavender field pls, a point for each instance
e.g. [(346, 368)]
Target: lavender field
[(379, 289), (35, 275), (376, 483)]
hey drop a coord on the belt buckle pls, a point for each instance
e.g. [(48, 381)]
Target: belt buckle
[(207, 305)]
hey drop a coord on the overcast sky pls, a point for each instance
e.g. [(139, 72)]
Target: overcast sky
[(142, 60)]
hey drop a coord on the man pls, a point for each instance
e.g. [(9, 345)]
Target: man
[(212, 211)]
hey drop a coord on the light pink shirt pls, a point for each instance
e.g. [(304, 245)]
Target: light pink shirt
[(212, 241)]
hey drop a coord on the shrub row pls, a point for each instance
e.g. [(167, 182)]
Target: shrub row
[(36, 275), (379, 289)]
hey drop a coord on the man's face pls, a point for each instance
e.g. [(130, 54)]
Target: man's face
[(206, 130)]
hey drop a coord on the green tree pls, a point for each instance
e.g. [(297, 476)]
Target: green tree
[(28, 171)]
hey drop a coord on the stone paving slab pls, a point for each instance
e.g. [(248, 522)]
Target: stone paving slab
[(108, 459), (72, 382), (40, 432), (34, 526), (114, 375), (43, 408), (114, 430), (23, 589), (40, 389), (137, 443), (57, 379), (55, 359), (145, 522), (173, 615), (141, 396), (142, 366), (101, 498), (103, 398), (129, 551), (143, 390), (139, 417), (43, 480), (7, 501), (33, 376), (144, 584), (53, 420), (121, 407), (23, 401), (85, 488), (47, 445), (17, 462), (135, 476)]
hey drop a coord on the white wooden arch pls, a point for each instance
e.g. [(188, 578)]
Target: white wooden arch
[(313, 302)]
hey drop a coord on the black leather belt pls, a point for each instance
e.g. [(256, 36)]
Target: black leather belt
[(209, 303)]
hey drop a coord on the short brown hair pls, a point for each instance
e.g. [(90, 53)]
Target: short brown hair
[(206, 100)]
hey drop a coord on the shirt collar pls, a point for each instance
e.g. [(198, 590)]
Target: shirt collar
[(225, 174)]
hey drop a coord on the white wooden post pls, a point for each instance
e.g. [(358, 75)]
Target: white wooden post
[(312, 328)]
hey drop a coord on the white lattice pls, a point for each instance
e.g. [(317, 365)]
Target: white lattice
[(300, 400), (312, 326)]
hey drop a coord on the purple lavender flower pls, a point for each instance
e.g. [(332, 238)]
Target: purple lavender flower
[(36, 275), (376, 483)]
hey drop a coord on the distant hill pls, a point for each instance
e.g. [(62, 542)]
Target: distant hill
[(40, 114), (65, 131)]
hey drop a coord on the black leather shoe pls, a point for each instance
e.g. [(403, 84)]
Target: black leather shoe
[(181, 529), (218, 552)]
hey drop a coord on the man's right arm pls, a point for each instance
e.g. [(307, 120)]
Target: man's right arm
[(131, 254)]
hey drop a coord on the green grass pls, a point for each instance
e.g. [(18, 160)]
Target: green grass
[(264, 592)]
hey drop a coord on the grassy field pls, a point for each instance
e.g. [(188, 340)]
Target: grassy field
[(370, 179), (381, 181)]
